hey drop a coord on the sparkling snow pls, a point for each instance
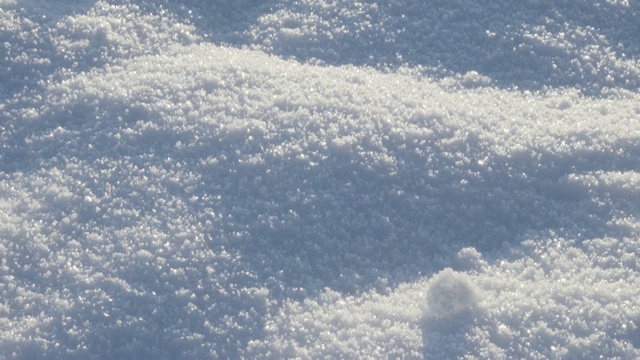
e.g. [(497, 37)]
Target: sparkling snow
[(319, 179)]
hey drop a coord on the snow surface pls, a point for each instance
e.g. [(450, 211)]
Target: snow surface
[(319, 179)]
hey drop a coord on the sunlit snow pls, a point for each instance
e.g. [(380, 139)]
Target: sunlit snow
[(319, 179)]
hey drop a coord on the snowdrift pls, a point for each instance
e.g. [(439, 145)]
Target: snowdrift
[(310, 179)]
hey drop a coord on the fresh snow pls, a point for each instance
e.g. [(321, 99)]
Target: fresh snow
[(319, 179)]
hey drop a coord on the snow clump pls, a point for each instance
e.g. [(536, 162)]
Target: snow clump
[(450, 293)]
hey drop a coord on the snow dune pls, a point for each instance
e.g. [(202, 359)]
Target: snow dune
[(319, 179)]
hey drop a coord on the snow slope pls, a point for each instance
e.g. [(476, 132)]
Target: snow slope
[(319, 179)]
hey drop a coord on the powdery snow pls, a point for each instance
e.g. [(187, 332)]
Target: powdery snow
[(319, 179)]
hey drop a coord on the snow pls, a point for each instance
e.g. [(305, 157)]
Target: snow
[(319, 179)]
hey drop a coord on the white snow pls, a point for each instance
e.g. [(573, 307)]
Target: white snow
[(319, 179)]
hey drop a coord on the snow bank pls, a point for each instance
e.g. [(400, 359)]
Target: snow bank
[(168, 192)]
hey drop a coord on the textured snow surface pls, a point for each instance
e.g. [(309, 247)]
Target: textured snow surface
[(319, 179)]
